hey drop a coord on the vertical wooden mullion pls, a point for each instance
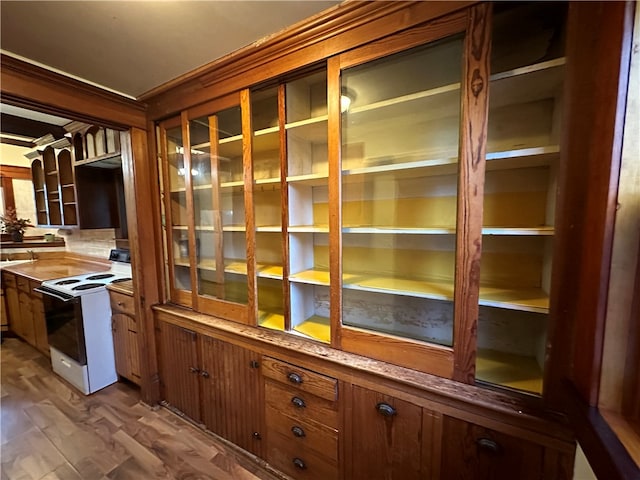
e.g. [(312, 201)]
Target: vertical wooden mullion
[(335, 199), (249, 208), (473, 131), (218, 234), (186, 157), (167, 209), (284, 204)]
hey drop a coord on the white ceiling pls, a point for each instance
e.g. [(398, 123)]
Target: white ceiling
[(133, 46)]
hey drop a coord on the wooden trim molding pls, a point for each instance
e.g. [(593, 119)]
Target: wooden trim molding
[(335, 31), (12, 171), (29, 86), (591, 152)]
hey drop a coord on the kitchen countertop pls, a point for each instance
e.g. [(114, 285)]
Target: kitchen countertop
[(122, 287), (50, 268)]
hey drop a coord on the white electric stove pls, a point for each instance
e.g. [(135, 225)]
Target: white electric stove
[(78, 316)]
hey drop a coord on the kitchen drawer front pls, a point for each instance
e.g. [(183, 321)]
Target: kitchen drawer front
[(303, 433), (300, 405), (70, 370), (23, 284), (298, 461), (122, 303), (8, 280), (300, 378)]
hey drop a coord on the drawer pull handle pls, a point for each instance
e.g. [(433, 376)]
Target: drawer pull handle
[(298, 402), (194, 370), (489, 445), (257, 436), (297, 431), (254, 364), (294, 378), (386, 410), (299, 464), (120, 304), (204, 374)]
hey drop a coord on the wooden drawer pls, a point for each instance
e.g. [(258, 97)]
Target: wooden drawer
[(122, 303), (298, 461), (300, 378), (300, 405), (303, 433), (8, 280), (23, 284)]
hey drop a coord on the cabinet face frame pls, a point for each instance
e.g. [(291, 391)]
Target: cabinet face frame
[(451, 362)]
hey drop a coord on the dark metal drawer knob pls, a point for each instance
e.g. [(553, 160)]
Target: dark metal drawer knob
[(298, 402), (194, 370), (299, 463), (297, 431), (204, 373), (386, 409), (488, 445), (257, 436), (295, 378), (254, 364)]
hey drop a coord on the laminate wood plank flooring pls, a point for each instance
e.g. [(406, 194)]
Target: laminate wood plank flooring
[(50, 431)]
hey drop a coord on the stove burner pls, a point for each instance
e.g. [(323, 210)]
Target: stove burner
[(120, 280), (67, 282), (100, 276), (88, 286)]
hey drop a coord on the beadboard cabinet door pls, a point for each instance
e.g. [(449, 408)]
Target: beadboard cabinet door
[(179, 372)]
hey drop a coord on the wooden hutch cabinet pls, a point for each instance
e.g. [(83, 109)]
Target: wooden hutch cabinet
[(395, 200)]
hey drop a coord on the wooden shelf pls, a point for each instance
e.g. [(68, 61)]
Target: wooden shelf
[(268, 181), (273, 321), (407, 166), (308, 229), (311, 179), (239, 267), (312, 129), (311, 277), (509, 370), (531, 231), (315, 327)]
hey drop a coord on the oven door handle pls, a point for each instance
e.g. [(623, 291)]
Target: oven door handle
[(59, 296)]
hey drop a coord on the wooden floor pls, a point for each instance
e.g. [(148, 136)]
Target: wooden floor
[(49, 431)]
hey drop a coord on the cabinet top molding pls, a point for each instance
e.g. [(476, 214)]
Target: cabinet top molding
[(336, 30)]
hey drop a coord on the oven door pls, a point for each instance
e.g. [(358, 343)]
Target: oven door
[(65, 330)]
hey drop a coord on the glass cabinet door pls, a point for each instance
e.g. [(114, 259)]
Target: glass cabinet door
[(527, 71), (400, 134), (308, 198), (218, 208), (267, 207), (176, 218)]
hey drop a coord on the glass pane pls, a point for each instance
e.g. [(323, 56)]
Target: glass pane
[(218, 203), (519, 194), (307, 179), (267, 201), (400, 129), (178, 208)]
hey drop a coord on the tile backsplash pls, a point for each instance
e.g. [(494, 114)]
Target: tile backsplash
[(94, 242)]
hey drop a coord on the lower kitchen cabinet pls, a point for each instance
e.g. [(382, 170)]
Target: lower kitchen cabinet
[(213, 382), (179, 372), (335, 419), (39, 320), (25, 310), (11, 298), (125, 336), (302, 421), (474, 452), (389, 438)]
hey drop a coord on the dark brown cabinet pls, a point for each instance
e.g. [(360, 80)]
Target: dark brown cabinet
[(474, 452), (390, 439), (41, 341), (11, 299)]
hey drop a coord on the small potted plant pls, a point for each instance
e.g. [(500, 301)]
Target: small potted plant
[(13, 225)]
